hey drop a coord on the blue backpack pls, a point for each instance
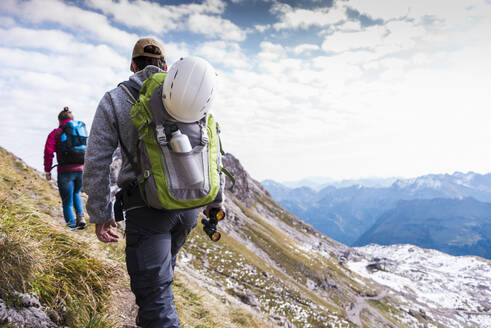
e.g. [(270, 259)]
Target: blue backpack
[(71, 143)]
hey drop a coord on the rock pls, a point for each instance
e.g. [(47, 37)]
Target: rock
[(246, 298), (244, 184), (27, 313)]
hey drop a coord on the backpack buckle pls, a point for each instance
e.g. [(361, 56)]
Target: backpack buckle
[(204, 136), (161, 137)]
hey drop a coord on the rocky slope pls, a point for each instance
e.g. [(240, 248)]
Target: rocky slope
[(450, 291), (270, 269)]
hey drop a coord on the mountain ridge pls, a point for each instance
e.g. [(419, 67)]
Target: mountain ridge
[(346, 213), (454, 226)]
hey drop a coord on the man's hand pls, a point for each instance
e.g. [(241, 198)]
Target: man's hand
[(104, 232), (47, 175)]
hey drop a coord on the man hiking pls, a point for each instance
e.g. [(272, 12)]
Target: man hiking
[(159, 216), (68, 142)]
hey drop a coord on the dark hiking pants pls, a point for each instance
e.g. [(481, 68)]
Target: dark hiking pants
[(153, 239)]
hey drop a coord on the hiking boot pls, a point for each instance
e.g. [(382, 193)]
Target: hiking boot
[(80, 223)]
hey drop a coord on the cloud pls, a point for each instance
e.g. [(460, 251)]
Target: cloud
[(223, 53), (262, 28), (383, 39), (384, 9), (214, 26), (48, 40), (305, 48), (6, 21), (72, 18), (365, 20), (152, 16), (294, 18), (451, 12)]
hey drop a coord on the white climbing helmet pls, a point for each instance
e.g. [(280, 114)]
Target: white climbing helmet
[(188, 89)]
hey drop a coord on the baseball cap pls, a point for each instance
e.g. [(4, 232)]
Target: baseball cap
[(139, 48)]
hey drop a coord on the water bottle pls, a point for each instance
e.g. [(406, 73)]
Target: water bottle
[(179, 143)]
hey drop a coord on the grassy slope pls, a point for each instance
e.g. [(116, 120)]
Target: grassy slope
[(213, 280), (78, 279)]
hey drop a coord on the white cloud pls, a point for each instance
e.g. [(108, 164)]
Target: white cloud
[(451, 12), (6, 21), (382, 39), (154, 17), (349, 26), (223, 53), (293, 18), (70, 17), (50, 40), (174, 51), (214, 26), (262, 28), (385, 9), (305, 48), (157, 18)]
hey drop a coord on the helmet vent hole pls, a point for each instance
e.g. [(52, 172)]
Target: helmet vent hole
[(172, 85), (176, 74), (170, 95), (208, 100)]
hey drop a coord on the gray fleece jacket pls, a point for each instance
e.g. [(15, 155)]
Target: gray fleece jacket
[(114, 108)]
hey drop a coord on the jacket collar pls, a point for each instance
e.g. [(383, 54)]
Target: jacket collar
[(63, 122)]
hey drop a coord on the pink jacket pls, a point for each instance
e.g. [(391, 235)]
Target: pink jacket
[(50, 149)]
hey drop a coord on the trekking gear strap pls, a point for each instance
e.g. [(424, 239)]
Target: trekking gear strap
[(161, 137), (132, 89), (134, 165), (229, 175), (204, 135)]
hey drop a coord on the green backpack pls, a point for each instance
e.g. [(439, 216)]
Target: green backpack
[(161, 176)]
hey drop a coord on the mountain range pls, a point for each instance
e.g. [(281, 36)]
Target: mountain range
[(357, 215), (318, 183)]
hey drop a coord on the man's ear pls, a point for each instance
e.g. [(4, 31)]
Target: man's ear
[(165, 67), (134, 69)]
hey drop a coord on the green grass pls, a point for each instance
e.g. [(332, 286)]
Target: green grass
[(72, 273), (42, 257)]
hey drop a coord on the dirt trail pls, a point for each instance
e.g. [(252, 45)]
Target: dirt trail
[(355, 309), (125, 307)]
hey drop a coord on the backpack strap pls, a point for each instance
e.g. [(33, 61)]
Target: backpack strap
[(133, 164), (222, 169), (229, 175), (132, 89)]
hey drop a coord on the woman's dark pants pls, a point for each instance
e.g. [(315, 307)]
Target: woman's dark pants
[(153, 239)]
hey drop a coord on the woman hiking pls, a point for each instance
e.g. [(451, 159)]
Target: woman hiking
[(70, 166)]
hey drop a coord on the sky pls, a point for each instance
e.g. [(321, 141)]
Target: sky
[(340, 89)]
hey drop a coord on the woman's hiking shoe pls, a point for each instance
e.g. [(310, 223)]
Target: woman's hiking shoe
[(80, 222)]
